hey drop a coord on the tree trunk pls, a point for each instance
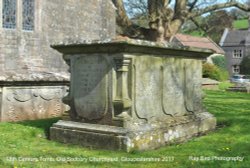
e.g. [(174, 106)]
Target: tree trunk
[(165, 22), (162, 24)]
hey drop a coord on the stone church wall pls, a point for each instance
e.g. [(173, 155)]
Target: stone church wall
[(28, 64)]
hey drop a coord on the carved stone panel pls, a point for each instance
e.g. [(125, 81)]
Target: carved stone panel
[(173, 86), (166, 87), (30, 103), (148, 93), (90, 86), (193, 85)]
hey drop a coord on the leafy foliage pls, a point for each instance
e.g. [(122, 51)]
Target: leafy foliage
[(216, 23), (214, 72), (212, 25), (238, 14), (245, 66), (220, 62)]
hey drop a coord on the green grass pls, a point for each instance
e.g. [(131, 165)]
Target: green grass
[(237, 24), (225, 85), (196, 33), (240, 24), (232, 138)]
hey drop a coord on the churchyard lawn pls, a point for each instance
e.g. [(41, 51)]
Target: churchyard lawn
[(25, 144)]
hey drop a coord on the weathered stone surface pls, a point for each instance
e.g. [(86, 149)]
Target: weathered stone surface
[(151, 91), (26, 58), (23, 52), (145, 137), (31, 102), (34, 77), (90, 77)]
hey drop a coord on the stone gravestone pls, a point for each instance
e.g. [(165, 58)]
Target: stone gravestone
[(132, 95)]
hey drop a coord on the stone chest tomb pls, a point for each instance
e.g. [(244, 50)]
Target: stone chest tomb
[(132, 95)]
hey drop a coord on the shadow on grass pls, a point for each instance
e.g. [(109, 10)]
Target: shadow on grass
[(43, 124)]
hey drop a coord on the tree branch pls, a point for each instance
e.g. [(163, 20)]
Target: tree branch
[(127, 27), (180, 7), (122, 18), (192, 5), (219, 6), (198, 25), (156, 7), (136, 7)]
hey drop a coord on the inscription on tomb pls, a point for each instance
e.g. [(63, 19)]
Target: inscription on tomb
[(90, 86)]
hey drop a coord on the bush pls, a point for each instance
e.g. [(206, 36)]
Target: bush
[(245, 66), (214, 72), (220, 62)]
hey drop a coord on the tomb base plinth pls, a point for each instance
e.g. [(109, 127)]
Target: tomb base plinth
[(142, 137)]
